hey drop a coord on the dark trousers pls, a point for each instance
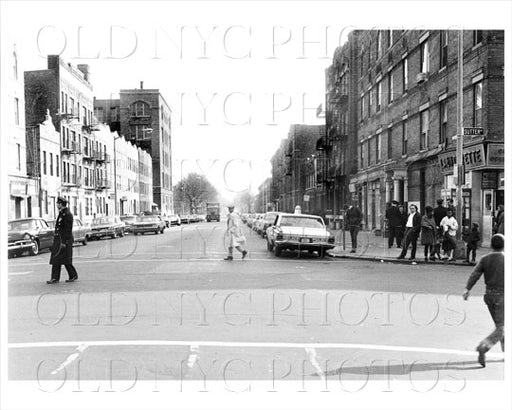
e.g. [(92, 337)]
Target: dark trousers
[(429, 251), (354, 230), (395, 232), (496, 305), (56, 271), (411, 238), (471, 250)]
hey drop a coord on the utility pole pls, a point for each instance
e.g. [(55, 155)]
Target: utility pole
[(460, 132)]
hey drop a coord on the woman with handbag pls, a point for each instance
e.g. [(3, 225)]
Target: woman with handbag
[(235, 235), (428, 233)]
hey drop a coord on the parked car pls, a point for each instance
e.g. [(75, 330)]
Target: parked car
[(148, 223), (81, 232), (256, 222), (128, 222), (174, 220), (111, 226), (268, 220), (299, 232), (185, 219), (29, 234)]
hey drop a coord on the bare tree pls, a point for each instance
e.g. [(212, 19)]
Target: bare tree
[(193, 191)]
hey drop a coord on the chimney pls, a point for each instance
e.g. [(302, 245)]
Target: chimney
[(142, 85), (84, 68), (53, 62)]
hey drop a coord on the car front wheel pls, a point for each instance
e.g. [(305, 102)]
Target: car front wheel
[(34, 250)]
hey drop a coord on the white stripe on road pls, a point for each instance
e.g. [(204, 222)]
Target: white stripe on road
[(71, 358), (192, 357), (20, 273), (312, 359), (290, 345)]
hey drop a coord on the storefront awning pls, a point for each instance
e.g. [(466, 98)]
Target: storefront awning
[(423, 155)]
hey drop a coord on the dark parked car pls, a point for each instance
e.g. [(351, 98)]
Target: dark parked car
[(268, 220), (81, 232), (30, 234), (105, 226), (148, 223), (128, 222)]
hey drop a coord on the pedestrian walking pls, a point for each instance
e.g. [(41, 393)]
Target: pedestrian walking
[(401, 231), (499, 224), (394, 221), (234, 234), (428, 233), (412, 231), (450, 226), (354, 218), (62, 248), (492, 266), (472, 241)]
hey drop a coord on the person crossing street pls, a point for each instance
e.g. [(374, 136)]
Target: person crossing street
[(235, 235)]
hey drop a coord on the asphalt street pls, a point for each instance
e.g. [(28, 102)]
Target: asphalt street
[(168, 307)]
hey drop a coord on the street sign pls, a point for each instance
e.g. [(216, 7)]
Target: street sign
[(473, 131)]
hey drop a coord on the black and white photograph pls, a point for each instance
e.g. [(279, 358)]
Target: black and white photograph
[(254, 204)]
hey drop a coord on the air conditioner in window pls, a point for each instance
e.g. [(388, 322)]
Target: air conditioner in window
[(421, 78)]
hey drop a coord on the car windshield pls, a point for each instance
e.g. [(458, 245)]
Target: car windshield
[(51, 224), (128, 218), (303, 222), (22, 225), (102, 221), (147, 219)]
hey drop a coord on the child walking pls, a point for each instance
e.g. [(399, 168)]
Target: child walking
[(472, 243)]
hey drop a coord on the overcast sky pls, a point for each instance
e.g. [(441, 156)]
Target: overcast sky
[(236, 75)]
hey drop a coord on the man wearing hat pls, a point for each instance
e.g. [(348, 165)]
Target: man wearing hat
[(394, 220), (62, 248), (235, 235)]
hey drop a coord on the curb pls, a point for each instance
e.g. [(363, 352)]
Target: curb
[(397, 261)]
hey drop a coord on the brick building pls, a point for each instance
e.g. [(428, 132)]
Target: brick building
[(143, 117), (407, 117)]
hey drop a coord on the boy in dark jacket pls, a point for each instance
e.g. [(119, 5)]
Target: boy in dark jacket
[(472, 242)]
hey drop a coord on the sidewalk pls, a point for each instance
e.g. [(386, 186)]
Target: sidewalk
[(375, 248)]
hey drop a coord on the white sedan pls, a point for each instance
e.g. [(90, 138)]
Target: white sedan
[(299, 232)]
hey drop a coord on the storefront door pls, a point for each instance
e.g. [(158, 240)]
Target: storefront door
[(487, 214)]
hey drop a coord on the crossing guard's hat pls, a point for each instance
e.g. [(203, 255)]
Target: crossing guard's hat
[(62, 200)]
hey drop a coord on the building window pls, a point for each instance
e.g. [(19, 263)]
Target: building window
[(57, 165), (477, 104), (44, 162), (139, 109), (443, 122), (16, 111), (379, 95), (404, 137), (369, 148), (443, 48), (51, 164), (15, 65), (370, 100), (477, 37), (424, 130), (424, 57), (405, 75), (390, 143), (140, 132), (18, 165), (379, 44), (362, 106), (72, 104), (361, 65), (377, 149), (84, 115), (391, 86), (390, 38), (361, 154)]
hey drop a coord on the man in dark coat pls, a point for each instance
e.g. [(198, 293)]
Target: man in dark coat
[(439, 212), (394, 220), (62, 248), (412, 231), (354, 217)]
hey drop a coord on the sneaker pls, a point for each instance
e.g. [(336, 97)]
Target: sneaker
[(481, 349), (228, 258), (244, 254)]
